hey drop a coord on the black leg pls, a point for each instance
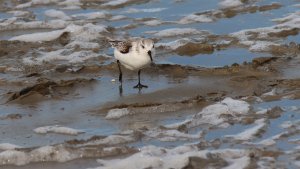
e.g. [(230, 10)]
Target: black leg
[(139, 85), (121, 90), (120, 71)]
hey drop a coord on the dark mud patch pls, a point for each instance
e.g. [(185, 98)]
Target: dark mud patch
[(152, 108), (284, 33), (191, 49), (251, 85), (53, 153), (124, 4), (64, 38), (274, 113), (47, 87), (11, 48), (171, 70), (229, 13), (288, 88), (258, 62), (14, 116), (108, 141), (193, 100), (212, 161), (77, 142), (291, 50)]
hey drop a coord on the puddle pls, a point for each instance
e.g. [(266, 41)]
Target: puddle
[(4, 16), (217, 59), (290, 71), (192, 109)]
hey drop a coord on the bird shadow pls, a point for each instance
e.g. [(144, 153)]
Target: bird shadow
[(121, 91)]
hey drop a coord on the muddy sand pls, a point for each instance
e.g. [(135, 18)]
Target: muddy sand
[(224, 91)]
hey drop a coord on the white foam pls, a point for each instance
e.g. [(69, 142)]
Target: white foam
[(177, 158), (171, 135), (36, 2), (57, 14), (14, 24), (68, 3), (236, 106), (117, 113), (62, 54), (177, 32), (284, 24), (80, 36), (57, 129), (213, 114), (153, 22), (295, 140), (287, 18), (289, 124), (8, 146), (117, 17), (286, 124), (262, 111), (266, 163), (255, 46), (249, 133), (19, 13), (116, 2), (242, 162), (297, 163), (293, 108), (13, 157), (174, 44), (71, 4), (261, 46), (24, 5), (114, 139), (46, 153), (71, 7), (195, 18), (297, 5), (267, 142), (230, 3), (92, 15), (84, 46), (39, 37), (87, 32), (149, 10)]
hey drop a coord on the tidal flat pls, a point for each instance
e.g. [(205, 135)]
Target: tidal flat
[(224, 89)]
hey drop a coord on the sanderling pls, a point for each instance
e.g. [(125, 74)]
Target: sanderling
[(134, 55)]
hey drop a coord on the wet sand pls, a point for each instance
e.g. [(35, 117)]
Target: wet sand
[(223, 92)]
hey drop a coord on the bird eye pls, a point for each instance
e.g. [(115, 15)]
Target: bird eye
[(143, 46)]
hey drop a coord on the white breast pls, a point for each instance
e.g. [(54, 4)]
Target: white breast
[(133, 60)]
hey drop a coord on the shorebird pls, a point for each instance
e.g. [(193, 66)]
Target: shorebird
[(133, 55)]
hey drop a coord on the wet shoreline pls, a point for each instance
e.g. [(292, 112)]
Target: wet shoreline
[(223, 92)]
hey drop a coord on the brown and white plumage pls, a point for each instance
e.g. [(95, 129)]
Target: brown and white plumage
[(133, 54), (122, 46)]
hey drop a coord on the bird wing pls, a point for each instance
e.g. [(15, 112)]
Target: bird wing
[(121, 46)]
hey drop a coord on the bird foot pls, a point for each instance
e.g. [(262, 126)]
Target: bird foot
[(140, 86), (152, 64)]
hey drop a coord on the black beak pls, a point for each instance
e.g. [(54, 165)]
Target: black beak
[(149, 53)]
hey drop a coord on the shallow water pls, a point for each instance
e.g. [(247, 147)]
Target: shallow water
[(217, 59), (198, 106)]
